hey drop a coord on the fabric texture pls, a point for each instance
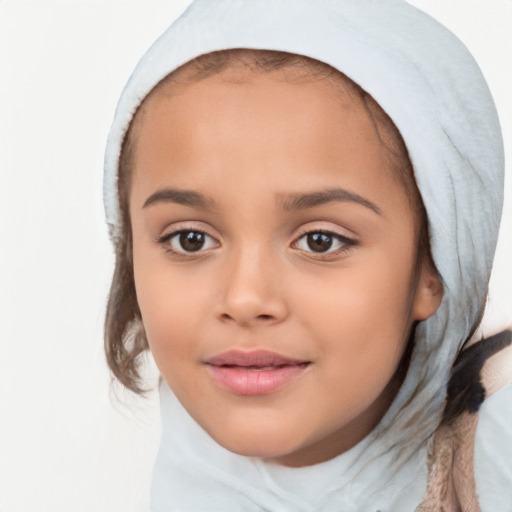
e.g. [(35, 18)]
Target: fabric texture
[(194, 474), (431, 87)]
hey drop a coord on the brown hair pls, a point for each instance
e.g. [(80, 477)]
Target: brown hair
[(125, 339)]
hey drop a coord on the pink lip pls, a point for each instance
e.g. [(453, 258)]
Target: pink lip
[(254, 373)]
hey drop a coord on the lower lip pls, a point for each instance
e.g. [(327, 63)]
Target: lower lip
[(245, 381)]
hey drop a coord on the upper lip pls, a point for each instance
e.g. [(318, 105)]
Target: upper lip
[(237, 357)]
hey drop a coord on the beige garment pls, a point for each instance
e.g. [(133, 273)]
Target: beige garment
[(451, 483)]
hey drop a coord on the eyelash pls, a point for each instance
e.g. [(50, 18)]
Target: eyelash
[(165, 241), (346, 242)]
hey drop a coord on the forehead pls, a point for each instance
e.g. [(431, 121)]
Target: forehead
[(246, 128), (238, 79), (328, 82), (241, 101)]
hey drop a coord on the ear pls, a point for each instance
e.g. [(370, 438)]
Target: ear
[(429, 292)]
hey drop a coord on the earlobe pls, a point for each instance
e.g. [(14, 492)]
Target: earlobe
[(429, 293)]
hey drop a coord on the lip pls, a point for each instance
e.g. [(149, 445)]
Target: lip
[(257, 372)]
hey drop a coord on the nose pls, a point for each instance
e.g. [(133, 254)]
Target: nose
[(251, 291)]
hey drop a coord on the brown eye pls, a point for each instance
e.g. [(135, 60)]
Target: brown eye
[(191, 241), (187, 241), (319, 242)]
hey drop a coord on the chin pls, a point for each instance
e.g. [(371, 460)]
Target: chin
[(262, 448), (256, 439)]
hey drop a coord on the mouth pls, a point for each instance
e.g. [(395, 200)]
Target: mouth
[(254, 373)]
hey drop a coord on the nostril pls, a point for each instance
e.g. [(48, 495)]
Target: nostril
[(265, 317)]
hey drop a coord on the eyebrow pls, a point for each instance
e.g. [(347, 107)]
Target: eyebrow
[(302, 201), (287, 202), (184, 197)]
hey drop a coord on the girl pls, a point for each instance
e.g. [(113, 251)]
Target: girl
[(304, 200)]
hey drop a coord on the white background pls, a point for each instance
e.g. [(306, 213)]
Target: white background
[(67, 444)]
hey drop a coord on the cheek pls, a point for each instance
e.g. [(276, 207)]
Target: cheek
[(360, 320), (360, 299), (169, 310)]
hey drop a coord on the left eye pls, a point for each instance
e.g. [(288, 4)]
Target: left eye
[(323, 241), (188, 241)]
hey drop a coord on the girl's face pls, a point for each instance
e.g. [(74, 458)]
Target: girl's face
[(275, 261)]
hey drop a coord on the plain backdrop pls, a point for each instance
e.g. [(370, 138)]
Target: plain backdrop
[(68, 441)]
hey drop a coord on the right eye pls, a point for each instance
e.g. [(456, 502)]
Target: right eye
[(186, 241)]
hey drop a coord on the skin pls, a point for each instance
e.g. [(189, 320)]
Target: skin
[(247, 140)]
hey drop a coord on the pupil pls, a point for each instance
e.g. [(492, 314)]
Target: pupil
[(191, 240), (319, 242)]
